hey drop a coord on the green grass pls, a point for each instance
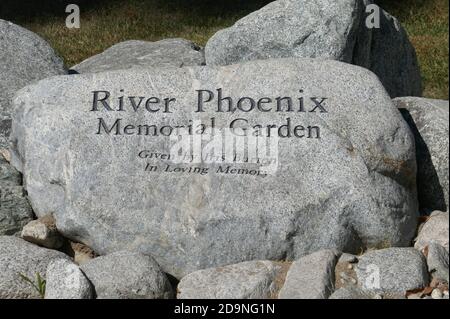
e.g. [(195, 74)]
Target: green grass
[(106, 22)]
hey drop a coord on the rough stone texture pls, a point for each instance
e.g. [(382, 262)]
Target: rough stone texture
[(351, 292), (43, 232), (325, 29), (392, 270), (127, 275), (65, 280), (18, 257), (435, 229), (141, 54), (15, 211), (352, 188), (247, 280), (437, 261), (429, 121), (310, 277), (24, 58)]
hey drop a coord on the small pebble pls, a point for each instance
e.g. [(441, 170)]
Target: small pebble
[(350, 267), (353, 280), (378, 296), (344, 276), (348, 258), (436, 294)]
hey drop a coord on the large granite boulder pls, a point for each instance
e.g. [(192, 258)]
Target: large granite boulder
[(341, 174), (324, 29), (142, 54), (127, 275), (20, 264), (24, 58), (429, 121)]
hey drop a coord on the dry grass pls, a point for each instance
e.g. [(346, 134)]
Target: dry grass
[(106, 22)]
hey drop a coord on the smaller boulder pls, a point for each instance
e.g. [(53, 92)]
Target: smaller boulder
[(247, 280), (65, 280), (429, 122), (141, 54), (435, 229), (437, 261), (43, 232), (311, 277), (24, 58), (127, 275), (15, 210), (392, 270)]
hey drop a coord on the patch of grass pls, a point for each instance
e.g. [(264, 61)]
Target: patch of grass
[(106, 22), (426, 22), (39, 285)]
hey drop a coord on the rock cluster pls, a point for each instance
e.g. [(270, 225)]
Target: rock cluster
[(360, 173)]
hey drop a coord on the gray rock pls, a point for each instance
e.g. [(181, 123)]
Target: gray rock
[(351, 292), (65, 280), (435, 229), (127, 275), (247, 280), (348, 258), (24, 58), (436, 294), (354, 187), (15, 211), (19, 258), (325, 29), (142, 54), (310, 277), (43, 232), (437, 261), (392, 270), (429, 121)]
